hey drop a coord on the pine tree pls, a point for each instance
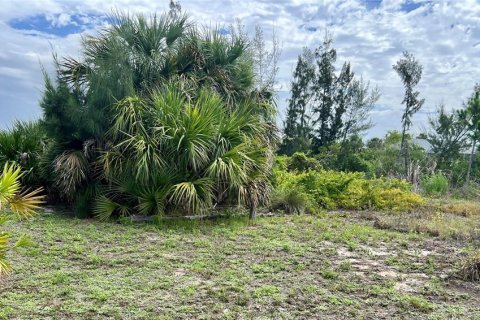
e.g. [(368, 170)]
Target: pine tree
[(324, 88), (357, 116), (410, 72), (298, 128), (342, 101), (325, 107)]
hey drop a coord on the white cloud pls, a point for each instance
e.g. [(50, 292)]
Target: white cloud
[(443, 35)]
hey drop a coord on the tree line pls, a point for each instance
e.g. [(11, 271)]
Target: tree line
[(329, 110)]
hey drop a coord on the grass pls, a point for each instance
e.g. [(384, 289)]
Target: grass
[(334, 265)]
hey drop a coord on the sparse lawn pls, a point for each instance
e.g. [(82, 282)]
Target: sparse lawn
[(332, 266)]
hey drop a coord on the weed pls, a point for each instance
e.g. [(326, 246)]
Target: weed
[(417, 302), (277, 267), (345, 266), (329, 274), (266, 291)]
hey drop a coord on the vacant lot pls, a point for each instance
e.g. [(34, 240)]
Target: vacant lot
[(331, 266)]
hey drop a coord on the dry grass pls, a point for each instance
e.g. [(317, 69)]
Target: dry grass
[(443, 225), (465, 208), (470, 269), (452, 219)]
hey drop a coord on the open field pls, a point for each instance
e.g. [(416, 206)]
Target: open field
[(332, 266)]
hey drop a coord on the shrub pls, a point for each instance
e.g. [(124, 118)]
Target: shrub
[(180, 131), (300, 162), (171, 153), (435, 184), (468, 191), (24, 145), (332, 189), (382, 193), (292, 201)]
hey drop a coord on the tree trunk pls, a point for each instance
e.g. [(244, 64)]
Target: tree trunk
[(407, 161), (470, 162), (253, 212), (404, 151)]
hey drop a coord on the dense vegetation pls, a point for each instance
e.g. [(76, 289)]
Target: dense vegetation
[(158, 116), (302, 184), (328, 112)]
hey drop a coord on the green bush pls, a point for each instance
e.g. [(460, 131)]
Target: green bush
[(182, 131), (299, 161), (435, 184)]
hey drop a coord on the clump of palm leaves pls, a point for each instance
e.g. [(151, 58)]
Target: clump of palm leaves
[(159, 115), (24, 144), (175, 153), (14, 203)]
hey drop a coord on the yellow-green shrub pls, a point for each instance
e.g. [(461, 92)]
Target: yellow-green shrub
[(332, 189)]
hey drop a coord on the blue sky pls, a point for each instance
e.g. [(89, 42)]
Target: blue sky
[(444, 35)]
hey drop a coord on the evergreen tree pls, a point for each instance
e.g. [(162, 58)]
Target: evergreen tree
[(324, 91), (298, 128), (325, 107), (447, 136), (342, 101), (357, 116), (410, 72)]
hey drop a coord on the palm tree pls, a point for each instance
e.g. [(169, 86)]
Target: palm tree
[(174, 153), (14, 203)]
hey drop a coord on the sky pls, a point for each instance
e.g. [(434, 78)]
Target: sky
[(444, 36)]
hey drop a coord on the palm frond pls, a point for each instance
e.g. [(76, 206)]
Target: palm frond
[(25, 203), (194, 196), (22, 242), (71, 170), (104, 207), (9, 183), (5, 266)]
